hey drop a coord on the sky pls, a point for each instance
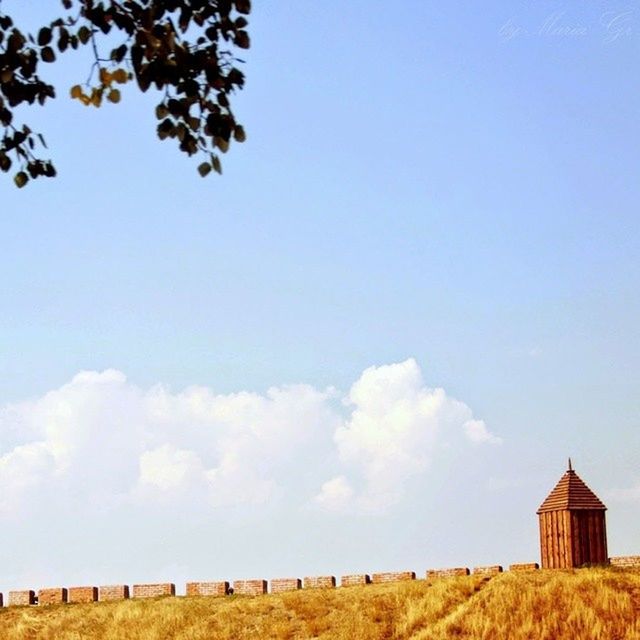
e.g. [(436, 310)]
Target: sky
[(371, 344)]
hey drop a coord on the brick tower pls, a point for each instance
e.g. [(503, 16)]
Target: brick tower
[(572, 525)]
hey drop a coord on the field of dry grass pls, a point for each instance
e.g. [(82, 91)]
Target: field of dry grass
[(590, 604)]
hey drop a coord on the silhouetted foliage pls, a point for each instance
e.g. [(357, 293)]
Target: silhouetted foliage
[(184, 48)]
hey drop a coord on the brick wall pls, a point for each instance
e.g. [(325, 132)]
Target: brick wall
[(625, 561), (399, 576), (524, 566), (249, 587), (279, 585), (61, 595), (207, 588), (490, 570), (56, 595), (319, 582), (83, 594), (154, 590), (114, 592), (447, 573), (21, 598), (354, 579)]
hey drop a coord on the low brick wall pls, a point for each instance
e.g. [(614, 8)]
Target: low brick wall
[(56, 595), (524, 566), (490, 570), (78, 595), (354, 579), (87, 594), (451, 572), (319, 582), (207, 588), (625, 561), (154, 590), (249, 587), (21, 598), (114, 592), (280, 585), (397, 576)]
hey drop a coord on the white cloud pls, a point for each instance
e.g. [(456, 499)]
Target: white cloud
[(100, 441), (391, 434), (107, 441), (169, 469), (335, 494), (476, 431), (20, 471)]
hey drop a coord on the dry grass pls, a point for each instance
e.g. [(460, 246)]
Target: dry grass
[(593, 604)]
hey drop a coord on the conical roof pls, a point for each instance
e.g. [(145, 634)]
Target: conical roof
[(571, 493)]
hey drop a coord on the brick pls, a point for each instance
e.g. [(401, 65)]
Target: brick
[(56, 595), (83, 594), (397, 576), (524, 566), (451, 572), (279, 585), (354, 579), (21, 598), (490, 570), (114, 592), (319, 582), (625, 561), (207, 588), (154, 590), (249, 587)]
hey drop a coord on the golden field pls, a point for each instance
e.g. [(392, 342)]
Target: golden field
[(590, 604)]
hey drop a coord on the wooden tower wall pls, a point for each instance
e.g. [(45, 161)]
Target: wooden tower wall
[(572, 538), (555, 541), (589, 537)]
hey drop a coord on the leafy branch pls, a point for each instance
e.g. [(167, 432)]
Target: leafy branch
[(182, 48)]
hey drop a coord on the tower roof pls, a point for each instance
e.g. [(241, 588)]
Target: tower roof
[(571, 493)]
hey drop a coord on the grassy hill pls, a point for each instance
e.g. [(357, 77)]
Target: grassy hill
[(593, 604)]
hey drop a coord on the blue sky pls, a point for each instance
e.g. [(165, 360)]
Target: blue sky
[(454, 184)]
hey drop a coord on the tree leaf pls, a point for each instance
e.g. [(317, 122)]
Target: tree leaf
[(21, 179), (242, 40), (204, 169), (48, 55), (120, 76), (96, 98), (44, 36), (222, 144), (84, 34), (243, 6)]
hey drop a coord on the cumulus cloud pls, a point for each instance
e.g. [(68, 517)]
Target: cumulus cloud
[(169, 469), (106, 441), (100, 441), (391, 433), (335, 494), (476, 431)]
